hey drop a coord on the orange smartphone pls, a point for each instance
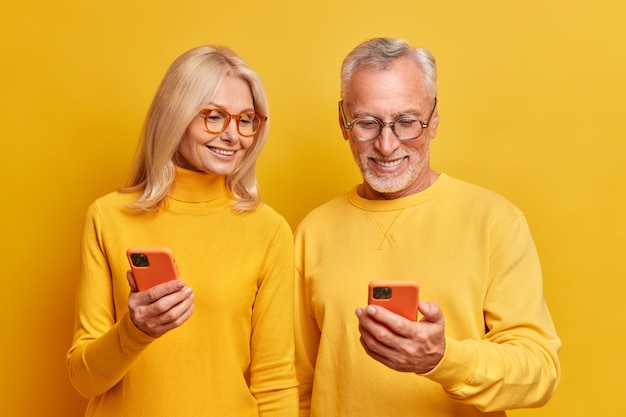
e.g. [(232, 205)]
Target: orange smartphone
[(152, 266), (400, 297)]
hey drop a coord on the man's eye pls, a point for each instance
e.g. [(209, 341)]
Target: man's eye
[(367, 124), (406, 122)]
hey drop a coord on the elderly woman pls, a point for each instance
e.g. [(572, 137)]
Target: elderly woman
[(218, 341)]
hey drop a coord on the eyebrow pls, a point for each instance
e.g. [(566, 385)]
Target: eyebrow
[(408, 112), (216, 106)]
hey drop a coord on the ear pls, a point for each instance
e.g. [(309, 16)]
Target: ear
[(434, 124), (345, 132)]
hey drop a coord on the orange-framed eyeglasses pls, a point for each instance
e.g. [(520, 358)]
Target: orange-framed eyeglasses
[(217, 120)]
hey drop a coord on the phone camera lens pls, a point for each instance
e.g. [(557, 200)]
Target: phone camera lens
[(139, 259), (381, 293)]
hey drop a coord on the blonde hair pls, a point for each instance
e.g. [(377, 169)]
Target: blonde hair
[(190, 82)]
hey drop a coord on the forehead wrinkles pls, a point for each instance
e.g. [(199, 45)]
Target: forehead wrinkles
[(391, 92)]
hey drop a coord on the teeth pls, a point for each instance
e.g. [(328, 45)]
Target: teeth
[(222, 151), (389, 163)]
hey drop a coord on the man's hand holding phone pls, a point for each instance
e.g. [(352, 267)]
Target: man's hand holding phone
[(399, 342), (164, 302)]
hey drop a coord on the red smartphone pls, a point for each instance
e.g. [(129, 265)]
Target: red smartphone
[(152, 266), (400, 297)]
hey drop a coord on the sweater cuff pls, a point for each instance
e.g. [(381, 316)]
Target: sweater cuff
[(457, 366), (132, 340)]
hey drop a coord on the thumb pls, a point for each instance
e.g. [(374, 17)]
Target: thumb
[(131, 281), (431, 312)]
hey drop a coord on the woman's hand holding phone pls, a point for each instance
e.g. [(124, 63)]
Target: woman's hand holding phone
[(161, 308), (165, 302)]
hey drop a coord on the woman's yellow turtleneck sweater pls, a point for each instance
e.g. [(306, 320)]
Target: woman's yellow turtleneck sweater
[(234, 356)]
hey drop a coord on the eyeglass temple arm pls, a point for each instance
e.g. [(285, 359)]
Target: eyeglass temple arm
[(343, 116), (427, 122)]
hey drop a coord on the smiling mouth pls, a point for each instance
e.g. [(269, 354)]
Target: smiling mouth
[(389, 164), (221, 151)]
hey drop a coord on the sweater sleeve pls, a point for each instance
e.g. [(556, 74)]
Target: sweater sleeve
[(307, 333), (104, 345), (273, 376), (515, 365)]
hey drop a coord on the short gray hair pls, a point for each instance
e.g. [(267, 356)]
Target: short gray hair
[(379, 53)]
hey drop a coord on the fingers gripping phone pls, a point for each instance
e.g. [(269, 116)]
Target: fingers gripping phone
[(400, 297), (152, 266)]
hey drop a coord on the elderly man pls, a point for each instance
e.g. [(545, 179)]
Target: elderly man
[(485, 341)]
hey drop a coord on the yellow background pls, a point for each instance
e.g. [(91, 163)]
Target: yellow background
[(531, 105)]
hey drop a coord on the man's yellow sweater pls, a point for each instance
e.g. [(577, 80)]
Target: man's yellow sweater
[(234, 356), (471, 251)]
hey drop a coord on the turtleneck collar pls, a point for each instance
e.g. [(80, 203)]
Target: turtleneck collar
[(197, 187)]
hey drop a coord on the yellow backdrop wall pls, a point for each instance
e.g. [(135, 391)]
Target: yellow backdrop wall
[(531, 102)]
